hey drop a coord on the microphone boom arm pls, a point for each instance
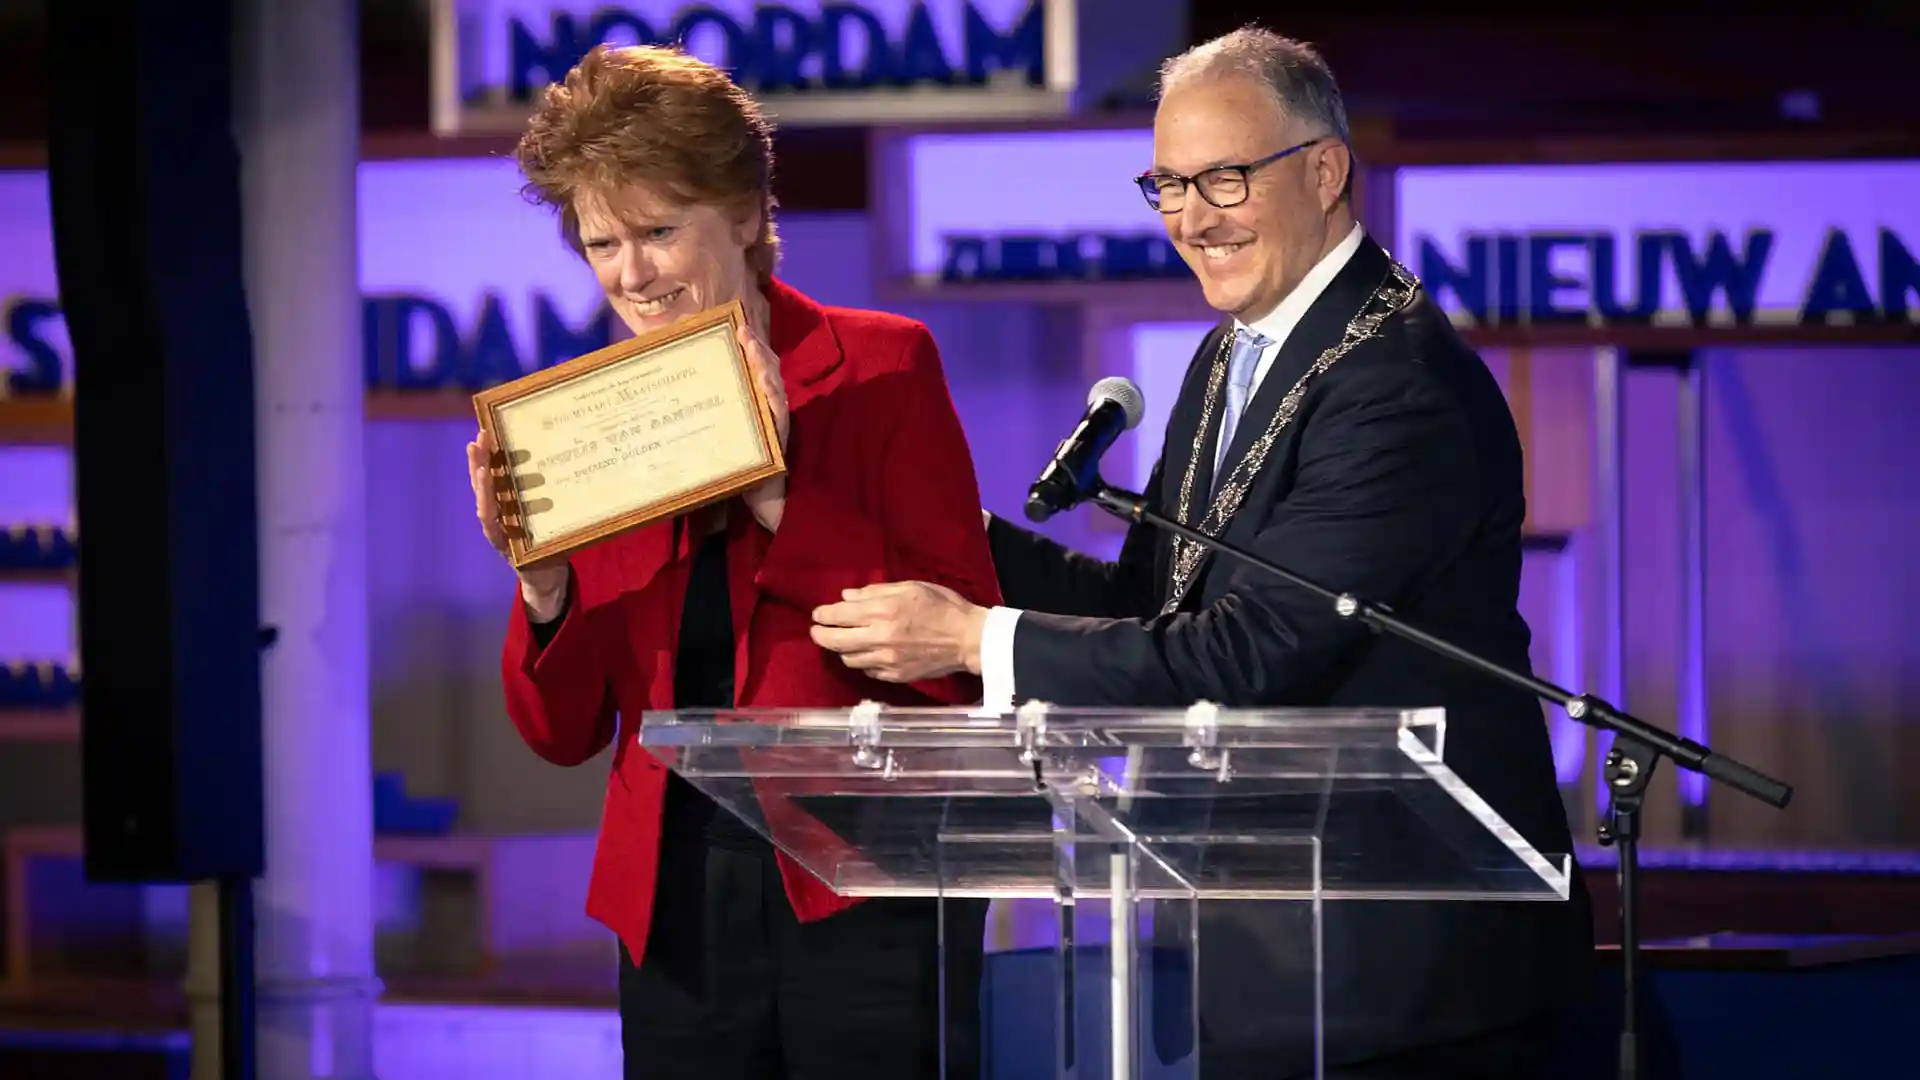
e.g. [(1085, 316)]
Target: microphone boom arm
[(1585, 708), (1637, 745)]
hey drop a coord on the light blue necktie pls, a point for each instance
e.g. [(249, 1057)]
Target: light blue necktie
[(1247, 347)]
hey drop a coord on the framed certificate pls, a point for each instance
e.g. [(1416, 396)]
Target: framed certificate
[(637, 432)]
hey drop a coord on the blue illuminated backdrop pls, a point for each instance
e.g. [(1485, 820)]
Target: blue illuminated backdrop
[(448, 305), (1664, 244), (1777, 243), (1027, 206), (1810, 496)]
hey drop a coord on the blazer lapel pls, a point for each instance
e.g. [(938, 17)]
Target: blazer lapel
[(800, 336), (1185, 433), (1319, 330), (1178, 452), (809, 354)]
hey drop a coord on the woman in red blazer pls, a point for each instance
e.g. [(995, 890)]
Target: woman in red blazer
[(736, 962)]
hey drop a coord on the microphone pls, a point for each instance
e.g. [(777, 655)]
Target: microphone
[(1113, 405)]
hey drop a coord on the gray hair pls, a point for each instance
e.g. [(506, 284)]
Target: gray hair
[(1293, 71)]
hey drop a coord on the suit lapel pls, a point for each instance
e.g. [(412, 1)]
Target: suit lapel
[(1186, 431), (1183, 434), (1319, 330)]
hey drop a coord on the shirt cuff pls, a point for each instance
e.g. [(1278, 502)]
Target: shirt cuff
[(996, 660)]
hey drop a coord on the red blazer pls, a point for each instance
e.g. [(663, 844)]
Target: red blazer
[(880, 487)]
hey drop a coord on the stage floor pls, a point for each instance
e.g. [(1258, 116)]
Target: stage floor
[(1748, 921)]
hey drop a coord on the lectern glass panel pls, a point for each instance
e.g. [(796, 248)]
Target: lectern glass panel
[(1126, 821)]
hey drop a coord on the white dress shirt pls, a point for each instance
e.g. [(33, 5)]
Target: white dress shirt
[(996, 637)]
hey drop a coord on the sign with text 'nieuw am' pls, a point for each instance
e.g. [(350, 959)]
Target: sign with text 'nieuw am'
[(815, 62), (1813, 244), (1809, 244)]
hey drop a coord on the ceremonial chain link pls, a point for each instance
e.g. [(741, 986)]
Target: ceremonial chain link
[(1392, 295)]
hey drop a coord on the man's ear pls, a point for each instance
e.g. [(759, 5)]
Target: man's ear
[(1333, 168)]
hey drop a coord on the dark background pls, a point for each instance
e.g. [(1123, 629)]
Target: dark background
[(1492, 70)]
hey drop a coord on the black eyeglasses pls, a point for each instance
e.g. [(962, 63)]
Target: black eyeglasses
[(1223, 186)]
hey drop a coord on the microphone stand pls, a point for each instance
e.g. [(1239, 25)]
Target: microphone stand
[(1637, 745)]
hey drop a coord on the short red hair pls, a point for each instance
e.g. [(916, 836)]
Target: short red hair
[(642, 114)]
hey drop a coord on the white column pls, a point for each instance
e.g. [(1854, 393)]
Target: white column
[(296, 105)]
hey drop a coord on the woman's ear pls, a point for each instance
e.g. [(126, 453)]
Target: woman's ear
[(746, 226)]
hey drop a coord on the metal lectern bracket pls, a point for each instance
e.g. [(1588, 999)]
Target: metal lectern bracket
[(1202, 741), (1030, 730), (863, 722)]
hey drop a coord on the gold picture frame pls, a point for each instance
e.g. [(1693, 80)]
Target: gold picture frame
[(641, 431)]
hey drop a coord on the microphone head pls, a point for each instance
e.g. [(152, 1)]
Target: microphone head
[(1121, 392)]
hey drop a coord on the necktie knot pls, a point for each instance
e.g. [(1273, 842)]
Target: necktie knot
[(1241, 361), (1247, 347)]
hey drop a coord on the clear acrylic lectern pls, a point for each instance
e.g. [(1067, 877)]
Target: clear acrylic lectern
[(1126, 820)]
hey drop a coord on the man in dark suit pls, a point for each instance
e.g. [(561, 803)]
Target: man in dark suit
[(1337, 425)]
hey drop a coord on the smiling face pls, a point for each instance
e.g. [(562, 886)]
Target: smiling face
[(658, 260), (1250, 256)]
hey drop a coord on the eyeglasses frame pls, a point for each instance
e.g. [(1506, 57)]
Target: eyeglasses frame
[(1245, 170)]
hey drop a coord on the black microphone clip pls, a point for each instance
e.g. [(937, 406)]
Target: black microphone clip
[(1114, 405)]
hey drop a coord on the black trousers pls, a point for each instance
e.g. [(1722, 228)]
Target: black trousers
[(1522, 1052), (734, 987)]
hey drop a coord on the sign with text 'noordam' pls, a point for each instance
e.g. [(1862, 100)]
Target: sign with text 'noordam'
[(810, 61), (1779, 243)]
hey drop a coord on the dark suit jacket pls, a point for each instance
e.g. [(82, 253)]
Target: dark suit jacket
[(859, 512), (1398, 479)]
